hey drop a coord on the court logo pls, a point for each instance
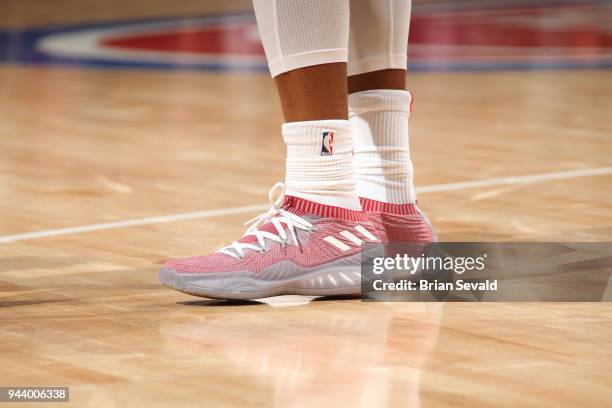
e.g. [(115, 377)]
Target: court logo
[(445, 35), (327, 145)]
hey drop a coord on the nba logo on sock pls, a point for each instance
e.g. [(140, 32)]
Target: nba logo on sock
[(327, 147)]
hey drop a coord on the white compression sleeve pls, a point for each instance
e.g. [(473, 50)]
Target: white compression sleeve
[(378, 35), (297, 33)]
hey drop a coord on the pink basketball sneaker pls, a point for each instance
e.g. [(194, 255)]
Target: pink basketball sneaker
[(297, 247)]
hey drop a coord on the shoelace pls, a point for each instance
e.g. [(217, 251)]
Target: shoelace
[(278, 217)]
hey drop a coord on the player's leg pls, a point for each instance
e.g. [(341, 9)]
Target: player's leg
[(310, 241), (379, 108), (306, 45), (314, 93)]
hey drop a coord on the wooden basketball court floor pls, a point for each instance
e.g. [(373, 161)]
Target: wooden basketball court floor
[(104, 174)]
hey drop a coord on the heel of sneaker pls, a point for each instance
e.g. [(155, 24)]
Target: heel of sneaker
[(434, 234)]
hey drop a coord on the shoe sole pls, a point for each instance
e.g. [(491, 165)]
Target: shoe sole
[(341, 277)]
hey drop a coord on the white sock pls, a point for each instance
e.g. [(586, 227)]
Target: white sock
[(320, 162), (383, 168)]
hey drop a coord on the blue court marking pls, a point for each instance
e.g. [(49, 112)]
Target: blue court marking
[(19, 47)]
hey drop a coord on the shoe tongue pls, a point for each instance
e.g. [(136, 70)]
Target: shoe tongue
[(291, 205), (267, 227)]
